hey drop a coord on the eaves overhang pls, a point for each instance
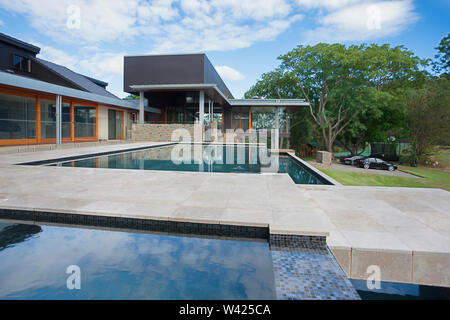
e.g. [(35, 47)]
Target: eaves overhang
[(42, 86), (230, 102), (180, 87), (269, 102)]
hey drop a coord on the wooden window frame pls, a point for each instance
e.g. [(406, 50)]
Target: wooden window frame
[(43, 96)]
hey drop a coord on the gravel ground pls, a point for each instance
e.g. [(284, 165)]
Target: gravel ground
[(349, 168)]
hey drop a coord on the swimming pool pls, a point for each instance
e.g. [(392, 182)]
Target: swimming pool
[(204, 158), (123, 258), (130, 265)]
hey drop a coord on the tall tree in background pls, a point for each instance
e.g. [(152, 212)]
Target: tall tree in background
[(329, 77), (345, 86), (390, 73), (428, 115), (442, 65), (274, 85)]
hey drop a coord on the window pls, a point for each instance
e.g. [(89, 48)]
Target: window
[(21, 63), (264, 118), (17, 117), (48, 119), (85, 121), (240, 118)]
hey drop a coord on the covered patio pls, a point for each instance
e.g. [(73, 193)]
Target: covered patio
[(206, 106)]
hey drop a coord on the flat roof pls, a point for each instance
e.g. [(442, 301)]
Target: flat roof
[(180, 87), (269, 102), (42, 86), (231, 102)]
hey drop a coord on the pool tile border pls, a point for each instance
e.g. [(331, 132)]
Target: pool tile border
[(161, 226), (305, 269)]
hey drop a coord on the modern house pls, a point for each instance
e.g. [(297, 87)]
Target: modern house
[(43, 102), (187, 89), (35, 94)]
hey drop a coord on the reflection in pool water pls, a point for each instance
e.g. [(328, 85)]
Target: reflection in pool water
[(124, 265), (216, 158)]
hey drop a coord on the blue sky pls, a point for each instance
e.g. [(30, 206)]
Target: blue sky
[(242, 38)]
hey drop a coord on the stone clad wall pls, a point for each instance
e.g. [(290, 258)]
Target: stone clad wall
[(157, 132)]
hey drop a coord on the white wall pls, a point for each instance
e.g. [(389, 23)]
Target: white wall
[(103, 121)]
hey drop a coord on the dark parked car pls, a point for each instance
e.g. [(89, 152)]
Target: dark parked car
[(350, 160), (376, 163)]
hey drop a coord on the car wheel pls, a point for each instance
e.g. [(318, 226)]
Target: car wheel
[(391, 168), (366, 166)]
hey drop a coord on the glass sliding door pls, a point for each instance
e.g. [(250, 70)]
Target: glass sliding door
[(85, 121), (115, 123), (118, 125), (48, 120), (111, 124), (17, 118)]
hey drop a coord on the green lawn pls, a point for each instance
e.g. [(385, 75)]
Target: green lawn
[(433, 178)]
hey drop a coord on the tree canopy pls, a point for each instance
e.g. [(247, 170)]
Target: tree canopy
[(442, 63), (348, 87)]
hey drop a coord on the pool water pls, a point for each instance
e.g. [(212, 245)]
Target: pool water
[(215, 158), (126, 265)]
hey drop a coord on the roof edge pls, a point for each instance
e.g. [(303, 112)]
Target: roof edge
[(42, 86), (19, 43)]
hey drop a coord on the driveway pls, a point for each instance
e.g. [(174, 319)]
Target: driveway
[(349, 168)]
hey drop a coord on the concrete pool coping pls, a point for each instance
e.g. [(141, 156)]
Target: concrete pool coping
[(403, 230)]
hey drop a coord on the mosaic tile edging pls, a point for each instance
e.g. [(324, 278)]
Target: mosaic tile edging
[(305, 269), (161, 226)]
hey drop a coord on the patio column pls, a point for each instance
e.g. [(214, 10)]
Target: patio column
[(201, 112), (209, 111), (201, 108), (141, 106), (277, 130), (58, 119)]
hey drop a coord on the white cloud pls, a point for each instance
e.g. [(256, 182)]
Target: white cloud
[(364, 21), (228, 73), (93, 62), (327, 4), (108, 30), (168, 25), (208, 35), (104, 63)]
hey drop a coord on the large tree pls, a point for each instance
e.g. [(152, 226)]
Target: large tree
[(339, 82), (390, 73), (428, 115), (442, 63)]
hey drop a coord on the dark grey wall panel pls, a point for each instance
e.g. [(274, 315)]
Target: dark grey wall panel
[(171, 69), (163, 69), (6, 55), (37, 71)]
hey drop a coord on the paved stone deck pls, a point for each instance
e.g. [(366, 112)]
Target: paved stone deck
[(404, 231)]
